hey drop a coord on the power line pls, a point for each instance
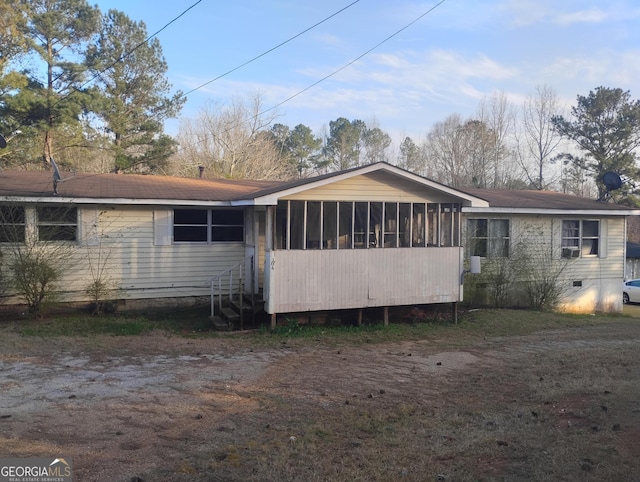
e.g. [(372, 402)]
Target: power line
[(127, 54), (396, 33), (356, 59), (271, 49)]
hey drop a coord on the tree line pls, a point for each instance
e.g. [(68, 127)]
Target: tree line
[(87, 88)]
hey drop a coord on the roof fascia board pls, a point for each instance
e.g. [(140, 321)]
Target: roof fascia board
[(585, 212), (272, 199)]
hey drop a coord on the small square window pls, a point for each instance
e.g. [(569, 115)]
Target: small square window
[(56, 223), (12, 224)]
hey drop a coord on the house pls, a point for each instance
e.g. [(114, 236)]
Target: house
[(372, 236), (583, 240)]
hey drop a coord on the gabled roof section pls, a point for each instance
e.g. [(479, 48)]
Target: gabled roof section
[(129, 188), (535, 202), (270, 196)]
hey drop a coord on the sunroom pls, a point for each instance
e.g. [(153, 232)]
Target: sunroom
[(374, 237)]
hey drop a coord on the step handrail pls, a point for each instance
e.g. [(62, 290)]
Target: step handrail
[(217, 278)]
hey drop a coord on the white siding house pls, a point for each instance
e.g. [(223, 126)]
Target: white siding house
[(373, 236)]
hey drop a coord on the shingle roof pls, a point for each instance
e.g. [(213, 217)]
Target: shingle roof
[(531, 199), (127, 186), (143, 187)]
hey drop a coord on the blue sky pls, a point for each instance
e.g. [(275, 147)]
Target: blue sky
[(445, 63)]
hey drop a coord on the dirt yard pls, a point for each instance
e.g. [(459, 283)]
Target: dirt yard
[(555, 405)]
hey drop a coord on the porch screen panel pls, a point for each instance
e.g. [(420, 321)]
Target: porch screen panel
[(281, 225), (345, 219), (404, 225), (390, 225), (418, 232), (375, 225), (360, 225), (314, 223), (330, 225), (446, 225), (433, 225), (296, 224)]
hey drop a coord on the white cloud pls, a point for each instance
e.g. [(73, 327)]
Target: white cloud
[(592, 15)]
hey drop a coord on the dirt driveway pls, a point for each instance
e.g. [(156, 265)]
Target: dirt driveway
[(555, 405)]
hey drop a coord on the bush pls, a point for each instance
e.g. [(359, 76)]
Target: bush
[(34, 278)]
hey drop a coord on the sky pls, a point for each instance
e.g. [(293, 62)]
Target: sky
[(424, 67)]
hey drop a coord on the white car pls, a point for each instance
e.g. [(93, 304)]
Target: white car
[(631, 291)]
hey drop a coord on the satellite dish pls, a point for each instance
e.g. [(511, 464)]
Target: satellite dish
[(611, 181), (3, 142)]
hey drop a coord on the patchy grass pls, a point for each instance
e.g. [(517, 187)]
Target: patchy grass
[(545, 397)]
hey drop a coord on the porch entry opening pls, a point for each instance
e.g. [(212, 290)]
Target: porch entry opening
[(365, 224)]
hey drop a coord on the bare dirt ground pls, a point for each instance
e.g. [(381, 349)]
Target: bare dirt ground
[(554, 405)]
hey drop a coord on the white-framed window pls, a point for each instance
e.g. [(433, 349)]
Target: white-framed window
[(580, 237), (208, 225), (12, 224), (488, 238), (57, 223)]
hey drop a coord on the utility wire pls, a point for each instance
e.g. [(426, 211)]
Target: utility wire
[(397, 32), (127, 54), (271, 49)]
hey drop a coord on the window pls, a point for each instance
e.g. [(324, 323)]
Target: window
[(208, 225), (580, 237), (488, 238), (190, 225), (57, 223), (12, 224), (227, 225)]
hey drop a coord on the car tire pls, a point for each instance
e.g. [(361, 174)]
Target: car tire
[(625, 298)]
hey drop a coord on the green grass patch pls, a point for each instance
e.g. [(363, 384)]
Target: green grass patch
[(87, 326), (195, 322)]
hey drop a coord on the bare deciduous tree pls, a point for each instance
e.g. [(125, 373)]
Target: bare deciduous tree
[(231, 141), (497, 115), (537, 140), (446, 149)]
